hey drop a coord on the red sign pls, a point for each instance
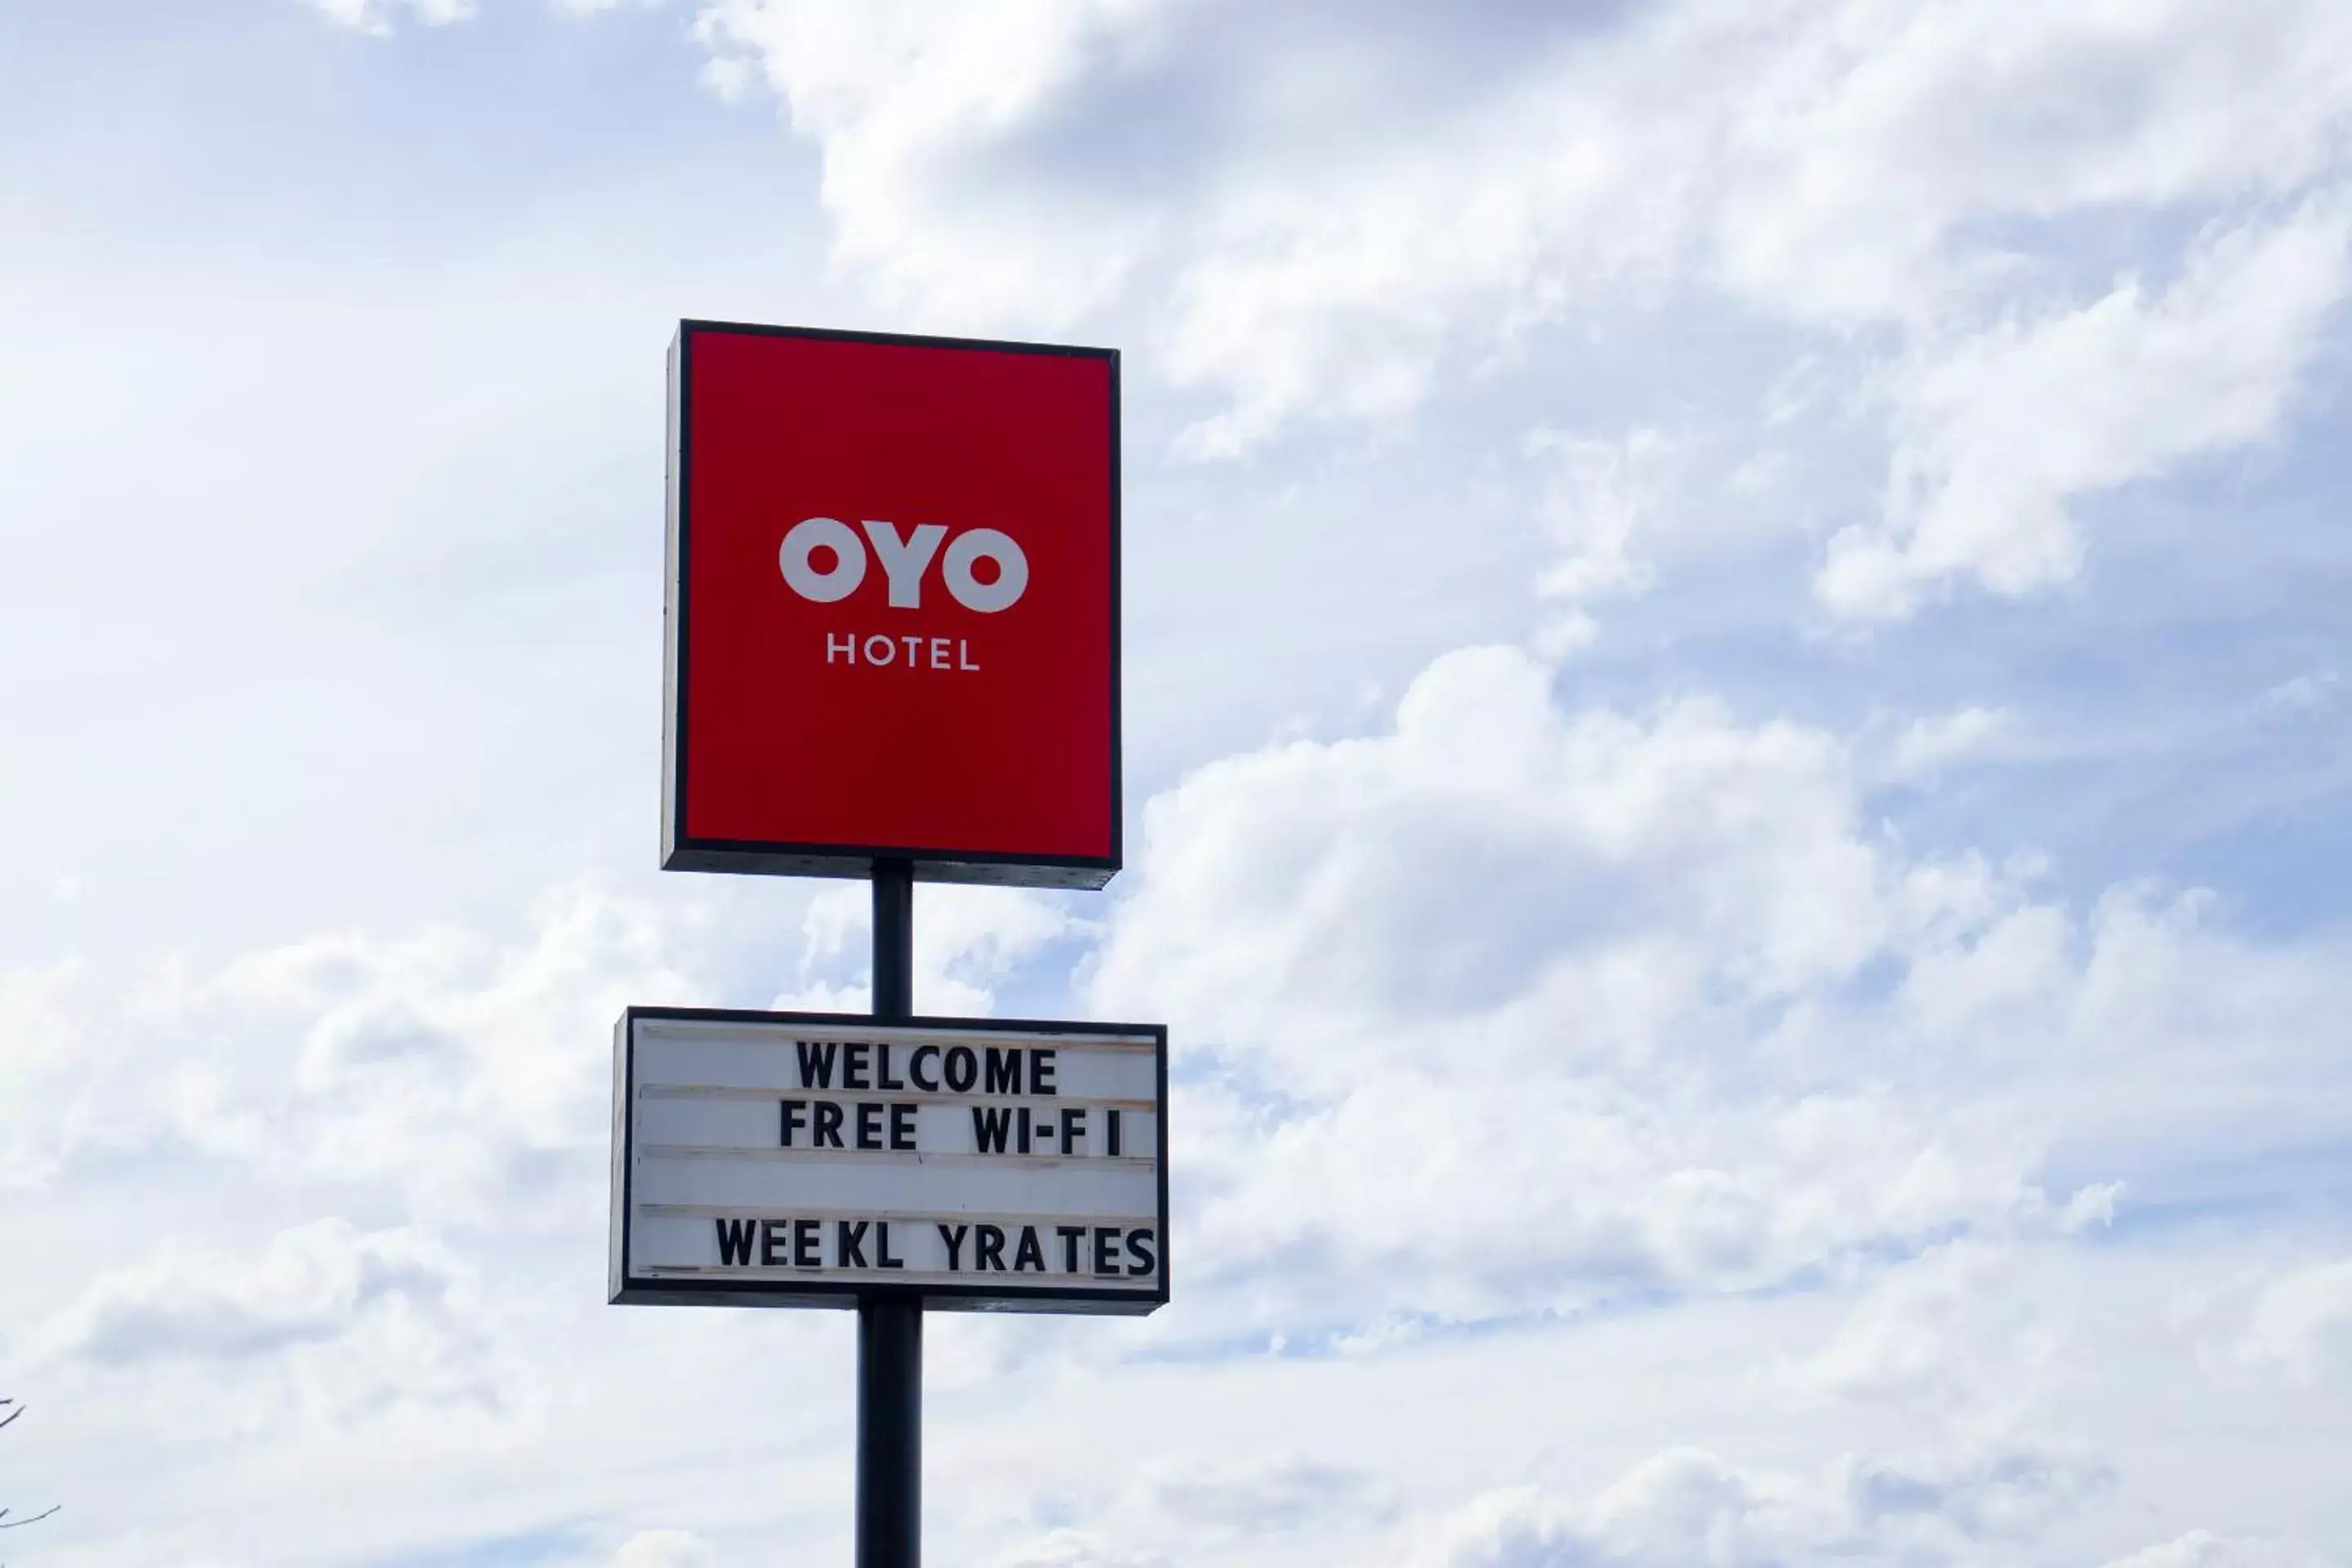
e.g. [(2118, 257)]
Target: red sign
[(893, 606)]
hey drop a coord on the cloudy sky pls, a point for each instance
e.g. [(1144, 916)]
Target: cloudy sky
[(1737, 771)]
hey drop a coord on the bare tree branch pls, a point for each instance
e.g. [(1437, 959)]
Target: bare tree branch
[(14, 1410)]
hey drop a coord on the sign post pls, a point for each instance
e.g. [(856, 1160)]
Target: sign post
[(890, 1329), (891, 652)]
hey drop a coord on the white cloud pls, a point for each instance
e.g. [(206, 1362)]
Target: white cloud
[(2202, 1548), (307, 1287), (665, 1549), (354, 1322), (1514, 1009), (1927, 747), (1999, 431), (1902, 173), (908, 98), (48, 1102), (453, 1066), (463, 1070), (1497, 961), (1869, 141), (1938, 1334), (2303, 693), (1073, 1549), (2301, 1321), (377, 17), (1165, 1513), (1687, 1506), (1598, 498), (1486, 801)]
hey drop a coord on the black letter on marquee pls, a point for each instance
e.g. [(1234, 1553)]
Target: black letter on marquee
[(869, 1125), (1105, 1249), (1004, 1070), (1029, 1256), (1021, 1137), (988, 1247), (1074, 1127), (964, 1069), (793, 1114), (1113, 1140), (882, 1079), (853, 1065), (989, 1125), (849, 1244), (1071, 1236), (951, 1237), (882, 1258), (807, 1236), (902, 1129), (735, 1239), (771, 1245), (915, 1070), (816, 1063), (828, 1126), (1138, 1243), (1041, 1072)]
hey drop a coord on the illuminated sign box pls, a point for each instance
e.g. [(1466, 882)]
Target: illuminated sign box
[(816, 1158), (893, 606)]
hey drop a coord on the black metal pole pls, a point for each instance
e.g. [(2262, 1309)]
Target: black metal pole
[(890, 1332)]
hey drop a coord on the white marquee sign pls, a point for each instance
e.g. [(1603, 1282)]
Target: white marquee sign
[(810, 1159)]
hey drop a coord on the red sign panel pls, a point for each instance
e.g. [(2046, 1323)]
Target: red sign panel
[(893, 606)]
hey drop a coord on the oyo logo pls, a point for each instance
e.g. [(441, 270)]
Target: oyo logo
[(824, 561)]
